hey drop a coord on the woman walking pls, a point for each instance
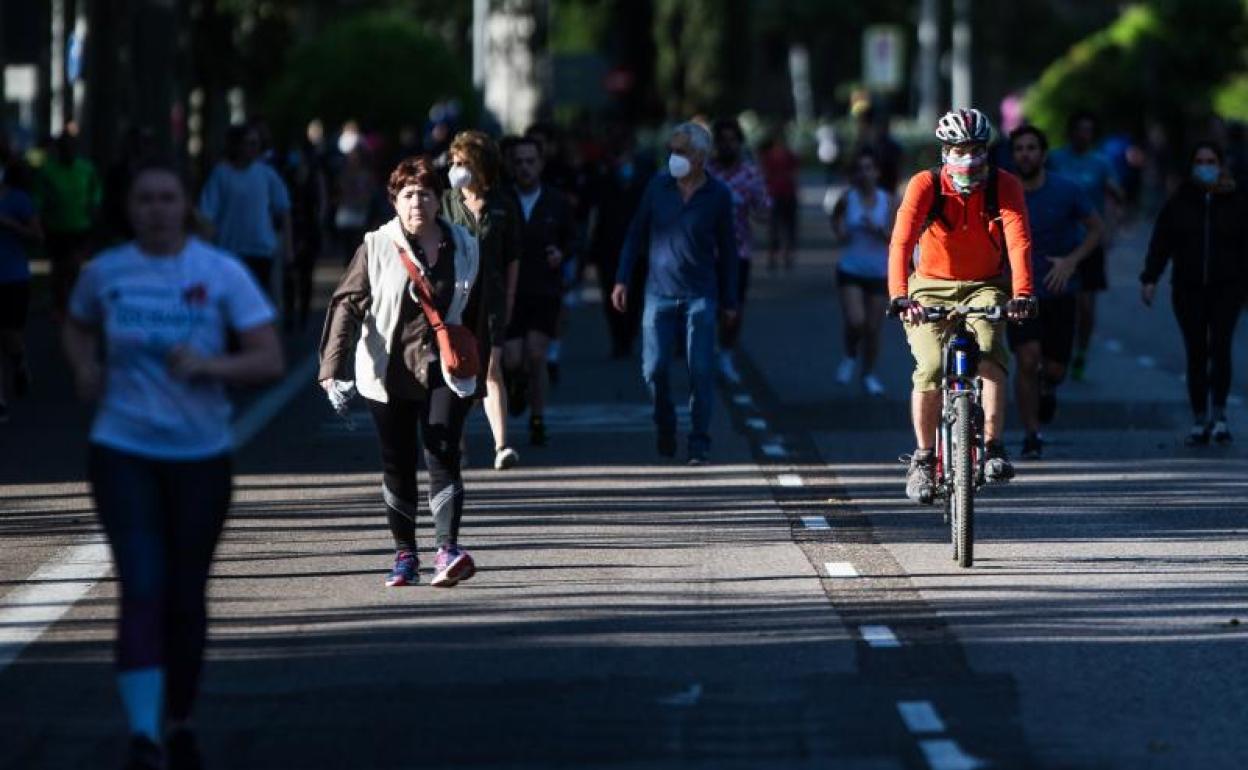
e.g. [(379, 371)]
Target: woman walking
[(397, 366), (1203, 229), (146, 340), (863, 219), (478, 202)]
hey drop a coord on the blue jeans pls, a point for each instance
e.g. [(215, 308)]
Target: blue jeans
[(662, 320)]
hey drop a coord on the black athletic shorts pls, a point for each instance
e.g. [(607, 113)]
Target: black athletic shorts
[(1091, 271), (1053, 328), (14, 305), (535, 313), (871, 286)]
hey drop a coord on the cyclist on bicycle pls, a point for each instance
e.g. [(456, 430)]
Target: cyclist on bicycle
[(968, 219)]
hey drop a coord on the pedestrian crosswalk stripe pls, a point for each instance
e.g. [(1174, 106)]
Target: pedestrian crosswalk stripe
[(840, 569)]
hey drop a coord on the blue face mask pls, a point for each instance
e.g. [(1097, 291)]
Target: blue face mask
[(1205, 173)]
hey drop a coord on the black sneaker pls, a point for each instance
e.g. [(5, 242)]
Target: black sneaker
[(997, 465), (537, 431), (182, 751), (143, 754), (1048, 403), (517, 392), (921, 476), (666, 445), (1198, 435), (1033, 447)]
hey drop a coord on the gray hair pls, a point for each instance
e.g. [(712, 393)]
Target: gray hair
[(699, 138)]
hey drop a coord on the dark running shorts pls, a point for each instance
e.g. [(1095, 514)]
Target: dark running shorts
[(14, 305), (1091, 271), (871, 286), (1054, 329), (535, 313)]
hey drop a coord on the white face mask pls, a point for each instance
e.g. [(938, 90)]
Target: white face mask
[(460, 177), (678, 166)]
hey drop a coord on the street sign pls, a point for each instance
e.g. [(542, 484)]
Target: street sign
[(883, 55)]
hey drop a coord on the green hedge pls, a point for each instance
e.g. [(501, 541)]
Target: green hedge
[(382, 69)]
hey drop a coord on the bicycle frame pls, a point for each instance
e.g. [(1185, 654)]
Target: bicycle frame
[(960, 355)]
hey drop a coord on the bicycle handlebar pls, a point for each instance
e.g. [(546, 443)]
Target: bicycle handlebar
[(934, 313)]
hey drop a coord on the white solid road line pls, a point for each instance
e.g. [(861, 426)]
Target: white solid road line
[(267, 406), (944, 754), (789, 480), (840, 569), (47, 595), (54, 588), (920, 716), (815, 522), (880, 637)]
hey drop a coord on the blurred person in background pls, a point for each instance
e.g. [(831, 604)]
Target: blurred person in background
[(68, 194), (136, 146), (1203, 230), (19, 231), (355, 192), (241, 200), (872, 132), (863, 221), (780, 167), (749, 198), (308, 181), (146, 342), (548, 240), (1080, 162), (620, 188), (478, 201)]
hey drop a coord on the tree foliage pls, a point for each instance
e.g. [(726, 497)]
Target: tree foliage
[(382, 69), (1159, 61)]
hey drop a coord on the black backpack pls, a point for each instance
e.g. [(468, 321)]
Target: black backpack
[(992, 207)]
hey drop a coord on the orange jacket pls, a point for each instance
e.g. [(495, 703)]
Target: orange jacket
[(968, 249)]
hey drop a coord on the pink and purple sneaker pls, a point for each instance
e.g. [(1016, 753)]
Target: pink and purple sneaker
[(406, 570), (451, 567)]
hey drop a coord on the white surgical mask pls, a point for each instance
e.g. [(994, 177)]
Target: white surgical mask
[(678, 166), (460, 177)]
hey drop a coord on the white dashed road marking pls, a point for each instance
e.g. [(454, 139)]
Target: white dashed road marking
[(1148, 362), (789, 480), (756, 423), (774, 450), (742, 399), (945, 754), (840, 569), (815, 522), (920, 716), (881, 637)]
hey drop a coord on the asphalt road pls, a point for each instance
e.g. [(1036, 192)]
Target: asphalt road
[(783, 607)]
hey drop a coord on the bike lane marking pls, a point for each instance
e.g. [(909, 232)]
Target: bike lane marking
[(58, 584)]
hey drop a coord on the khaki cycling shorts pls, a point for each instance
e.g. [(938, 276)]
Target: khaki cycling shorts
[(926, 339)]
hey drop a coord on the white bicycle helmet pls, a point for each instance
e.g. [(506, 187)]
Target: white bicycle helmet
[(964, 127)]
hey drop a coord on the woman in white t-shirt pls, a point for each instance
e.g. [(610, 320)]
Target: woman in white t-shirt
[(146, 340), (863, 220)]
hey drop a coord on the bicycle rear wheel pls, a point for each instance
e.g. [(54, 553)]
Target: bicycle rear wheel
[(963, 483)]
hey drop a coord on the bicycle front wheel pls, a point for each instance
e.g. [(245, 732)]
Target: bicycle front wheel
[(963, 482)]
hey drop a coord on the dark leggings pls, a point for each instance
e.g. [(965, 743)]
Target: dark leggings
[(163, 519), (435, 426), (1207, 321)]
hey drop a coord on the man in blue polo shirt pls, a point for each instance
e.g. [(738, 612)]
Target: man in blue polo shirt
[(1065, 230), (685, 223)]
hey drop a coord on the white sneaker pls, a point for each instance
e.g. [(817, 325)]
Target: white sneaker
[(845, 371), (873, 385), (727, 368), (505, 458)]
